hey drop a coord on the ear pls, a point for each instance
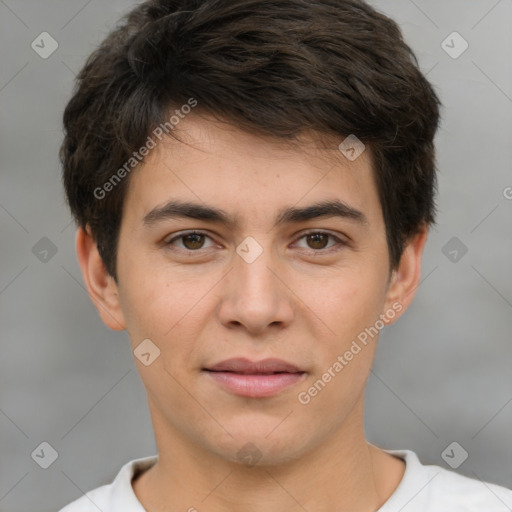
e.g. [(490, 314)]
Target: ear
[(406, 278), (99, 283)]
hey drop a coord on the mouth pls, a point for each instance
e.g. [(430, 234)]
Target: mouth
[(255, 379)]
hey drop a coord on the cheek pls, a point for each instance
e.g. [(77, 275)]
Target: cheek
[(147, 290), (351, 308), (169, 311), (149, 307), (353, 301)]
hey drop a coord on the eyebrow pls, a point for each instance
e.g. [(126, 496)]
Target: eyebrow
[(183, 209)]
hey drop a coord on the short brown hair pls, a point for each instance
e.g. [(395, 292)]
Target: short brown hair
[(271, 67)]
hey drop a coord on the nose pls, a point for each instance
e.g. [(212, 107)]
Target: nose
[(255, 295)]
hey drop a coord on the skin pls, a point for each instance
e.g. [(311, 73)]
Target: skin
[(203, 307)]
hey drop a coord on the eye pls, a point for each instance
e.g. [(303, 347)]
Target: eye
[(317, 241), (192, 240)]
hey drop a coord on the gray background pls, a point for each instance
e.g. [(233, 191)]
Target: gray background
[(441, 374)]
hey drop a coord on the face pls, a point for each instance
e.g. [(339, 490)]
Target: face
[(260, 277)]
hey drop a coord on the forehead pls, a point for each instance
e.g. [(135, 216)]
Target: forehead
[(249, 176)]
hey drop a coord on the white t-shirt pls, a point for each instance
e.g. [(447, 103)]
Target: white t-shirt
[(422, 489)]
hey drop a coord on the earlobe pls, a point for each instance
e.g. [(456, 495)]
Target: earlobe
[(101, 286), (406, 278)]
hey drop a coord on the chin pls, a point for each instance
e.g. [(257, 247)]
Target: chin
[(259, 448)]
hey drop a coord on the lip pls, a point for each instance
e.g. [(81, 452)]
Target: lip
[(243, 365), (256, 379)]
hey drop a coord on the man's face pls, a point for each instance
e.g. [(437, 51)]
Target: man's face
[(299, 291)]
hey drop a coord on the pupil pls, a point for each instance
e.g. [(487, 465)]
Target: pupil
[(316, 237), (196, 244)]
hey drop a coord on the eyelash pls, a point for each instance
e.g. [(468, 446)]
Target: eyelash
[(340, 243)]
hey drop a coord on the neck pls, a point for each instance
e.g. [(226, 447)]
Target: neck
[(343, 474)]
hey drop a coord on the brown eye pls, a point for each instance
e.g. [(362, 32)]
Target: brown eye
[(192, 241), (318, 240)]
